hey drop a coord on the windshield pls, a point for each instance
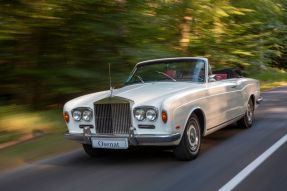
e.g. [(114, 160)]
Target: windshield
[(186, 70)]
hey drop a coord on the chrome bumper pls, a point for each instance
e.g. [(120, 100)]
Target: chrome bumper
[(147, 139), (259, 100)]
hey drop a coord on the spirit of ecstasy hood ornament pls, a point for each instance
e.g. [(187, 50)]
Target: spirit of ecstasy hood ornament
[(111, 88), (111, 92)]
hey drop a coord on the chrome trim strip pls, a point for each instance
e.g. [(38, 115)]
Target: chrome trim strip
[(151, 138), (222, 125), (170, 59), (135, 140)]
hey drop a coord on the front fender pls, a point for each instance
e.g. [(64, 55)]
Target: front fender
[(182, 114)]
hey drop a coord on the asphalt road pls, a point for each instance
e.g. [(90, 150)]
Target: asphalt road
[(224, 154)]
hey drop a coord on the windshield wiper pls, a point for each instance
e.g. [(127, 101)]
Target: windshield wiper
[(140, 78), (167, 76)]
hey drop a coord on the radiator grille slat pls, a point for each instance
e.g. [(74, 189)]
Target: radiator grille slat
[(114, 118)]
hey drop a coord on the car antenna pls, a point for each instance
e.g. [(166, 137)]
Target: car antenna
[(110, 78)]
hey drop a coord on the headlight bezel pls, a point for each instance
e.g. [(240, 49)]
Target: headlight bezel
[(143, 114), (81, 110), (146, 109), (153, 118), (74, 115), (90, 115)]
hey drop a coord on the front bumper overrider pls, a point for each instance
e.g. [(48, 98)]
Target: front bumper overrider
[(259, 100)]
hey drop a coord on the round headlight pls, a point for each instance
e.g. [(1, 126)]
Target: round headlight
[(77, 115), (87, 115), (139, 114), (151, 114)]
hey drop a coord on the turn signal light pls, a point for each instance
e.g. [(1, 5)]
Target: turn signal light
[(66, 117), (164, 116)]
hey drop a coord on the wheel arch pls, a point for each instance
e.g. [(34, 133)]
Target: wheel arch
[(252, 97), (201, 118)]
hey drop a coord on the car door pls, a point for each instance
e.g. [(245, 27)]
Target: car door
[(223, 100), (234, 98)]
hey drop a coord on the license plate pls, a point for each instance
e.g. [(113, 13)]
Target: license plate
[(110, 143)]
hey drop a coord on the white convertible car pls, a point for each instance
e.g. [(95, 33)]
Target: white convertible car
[(170, 102)]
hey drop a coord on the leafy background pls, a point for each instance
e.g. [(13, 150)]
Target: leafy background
[(53, 50)]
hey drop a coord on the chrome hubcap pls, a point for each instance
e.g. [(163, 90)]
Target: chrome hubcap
[(249, 113), (193, 138)]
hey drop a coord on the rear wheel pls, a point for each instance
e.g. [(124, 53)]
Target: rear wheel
[(247, 120), (189, 145)]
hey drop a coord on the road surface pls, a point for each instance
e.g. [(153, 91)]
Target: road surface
[(223, 156)]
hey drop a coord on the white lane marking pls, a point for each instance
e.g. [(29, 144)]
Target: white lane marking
[(252, 166)]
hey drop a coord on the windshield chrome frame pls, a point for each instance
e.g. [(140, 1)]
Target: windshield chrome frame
[(161, 60)]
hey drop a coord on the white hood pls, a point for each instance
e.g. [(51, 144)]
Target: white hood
[(139, 93), (142, 93)]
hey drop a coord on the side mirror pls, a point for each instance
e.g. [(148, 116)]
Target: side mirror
[(211, 78)]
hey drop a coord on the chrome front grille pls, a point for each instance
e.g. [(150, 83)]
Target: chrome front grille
[(112, 118)]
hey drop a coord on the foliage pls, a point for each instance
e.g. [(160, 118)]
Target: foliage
[(53, 50), (17, 123), (35, 149)]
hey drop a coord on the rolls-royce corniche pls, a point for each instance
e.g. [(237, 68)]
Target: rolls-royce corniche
[(171, 103)]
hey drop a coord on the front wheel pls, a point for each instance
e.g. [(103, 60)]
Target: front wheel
[(190, 143), (247, 120)]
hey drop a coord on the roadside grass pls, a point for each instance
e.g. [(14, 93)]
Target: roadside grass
[(270, 85), (17, 123), (8, 136), (27, 135), (19, 119), (270, 78), (34, 149)]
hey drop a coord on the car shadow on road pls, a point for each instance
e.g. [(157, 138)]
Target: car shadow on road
[(220, 136), (139, 155)]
